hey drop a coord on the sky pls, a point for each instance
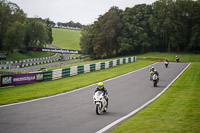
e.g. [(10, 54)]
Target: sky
[(82, 11)]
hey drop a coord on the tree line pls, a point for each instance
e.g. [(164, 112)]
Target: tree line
[(164, 26), (19, 32), (70, 24)]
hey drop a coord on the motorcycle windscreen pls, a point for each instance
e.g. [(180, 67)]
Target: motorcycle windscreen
[(98, 93)]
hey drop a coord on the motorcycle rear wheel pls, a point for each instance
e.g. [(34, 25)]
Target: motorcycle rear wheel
[(154, 83)]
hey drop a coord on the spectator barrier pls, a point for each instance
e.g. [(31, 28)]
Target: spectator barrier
[(26, 78)]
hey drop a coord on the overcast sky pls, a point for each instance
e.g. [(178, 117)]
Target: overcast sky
[(83, 11)]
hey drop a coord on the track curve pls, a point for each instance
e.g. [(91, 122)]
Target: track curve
[(74, 112)]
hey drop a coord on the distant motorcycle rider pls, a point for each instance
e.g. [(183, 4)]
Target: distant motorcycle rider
[(166, 62), (152, 69), (101, 87), (152, 72)]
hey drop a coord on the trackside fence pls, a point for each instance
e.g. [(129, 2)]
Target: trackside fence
[(26, 78)]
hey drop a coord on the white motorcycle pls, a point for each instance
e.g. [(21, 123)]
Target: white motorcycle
[(155, 80), (100, 102)]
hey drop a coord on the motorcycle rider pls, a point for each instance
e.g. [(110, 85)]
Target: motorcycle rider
[(101, 87), (156, 72), (151, 72), (152, 69), (166, 62)]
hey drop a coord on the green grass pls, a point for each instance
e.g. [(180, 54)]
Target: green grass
[(66, 38), (42, 89), (18, 56), (176, 111), (171, 57)]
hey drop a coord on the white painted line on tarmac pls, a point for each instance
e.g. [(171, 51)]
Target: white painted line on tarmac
[(72, 90), (141, 107)]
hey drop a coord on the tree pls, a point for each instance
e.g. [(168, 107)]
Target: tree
[(5, 14), (136, 33), (100, 39), (14, 37), (86, 41), (12, 19), (195, 28), (36, 34), (49, 22), (107, 30)]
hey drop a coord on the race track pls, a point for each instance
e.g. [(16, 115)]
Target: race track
[(74, 112)]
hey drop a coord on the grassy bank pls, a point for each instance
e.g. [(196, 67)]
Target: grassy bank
[(42, 89), (66, 38), (176, 111), (19, 56)]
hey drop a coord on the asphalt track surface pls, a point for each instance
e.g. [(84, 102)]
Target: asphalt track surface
[(74, 112)]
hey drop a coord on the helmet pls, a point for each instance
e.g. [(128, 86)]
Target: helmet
[(152, 68), (100, 85)]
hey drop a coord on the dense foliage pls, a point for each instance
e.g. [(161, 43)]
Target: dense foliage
[(18, 32), (165, 26)]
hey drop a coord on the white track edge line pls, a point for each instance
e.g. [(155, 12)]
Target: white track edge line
[(141, 107), (12, 104)]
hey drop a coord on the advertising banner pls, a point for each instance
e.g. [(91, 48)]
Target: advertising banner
[(6, 80), (27, 78), (20, 79), (53, 50)]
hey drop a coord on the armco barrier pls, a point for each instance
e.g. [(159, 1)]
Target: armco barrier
[(102, 65), (75, 70), (86, 68), (107, 65), (92, 67), (110, 64), (80, 69), (129, 60), (47, 75), (56, 74), (65, 72), (118, 61), (61, 73)]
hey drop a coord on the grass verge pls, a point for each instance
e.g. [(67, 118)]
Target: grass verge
[(42, 89), (176, 111)]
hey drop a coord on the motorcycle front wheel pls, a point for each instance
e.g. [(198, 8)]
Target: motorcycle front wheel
[(98, 108)]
